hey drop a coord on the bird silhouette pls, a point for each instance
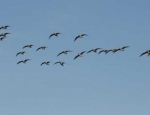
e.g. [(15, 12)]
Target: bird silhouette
[(22, 52), (29, 46), (60, 62), (79, 55), (106, 51), (80, 36), (94, 50), (43, 47), (23, 61), (146, 52), (54, 34), (122, 48), (64, 52), (45, 62), (4, 27), (4, 34)]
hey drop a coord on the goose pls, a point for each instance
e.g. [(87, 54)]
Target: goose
[(29, 46), (106, 51), (79, 55), (146, 52), (94, 50), (4, 27), (64, 52), (112, 50), (22, 52), (4, 34), (80, 36), (43, 47), (122, 48), (23, 61), (54, 34), (45, 62), (60, 62)]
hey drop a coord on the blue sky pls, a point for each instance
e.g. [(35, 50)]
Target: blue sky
[(112, 84)]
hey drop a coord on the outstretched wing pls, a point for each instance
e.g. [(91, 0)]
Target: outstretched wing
[(38, 48), (143, 53), (83, 52), (20, 62), (125, 47), (25, 46), (56, 63), (89, 51), (51, 35), (76, 57), (76, 38), (60, 53)]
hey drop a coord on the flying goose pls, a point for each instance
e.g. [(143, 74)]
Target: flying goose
[(122, 48), (146, 52), (106, 51), (4, 34), (79, 55), (64, 52), (60, 62), (43, 47), (29, 46), (94, 50), (80, 36), (54, 34), (22, 52), (4, 27), (23, 61), (112, 50), (45, 62)]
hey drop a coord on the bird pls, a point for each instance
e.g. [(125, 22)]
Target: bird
[(94, 50), (103, 51), (4, 34), (146, 52), (45, 62), (1, 39), (22, 52), (122, 48), (43, 47), (23, 61), (79, 55), (54, 34), (112, 50), (4, 27), (60, 62), (29, 46), (64, 52), (80, 36)]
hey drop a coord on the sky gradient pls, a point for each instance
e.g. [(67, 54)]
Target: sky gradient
[(112, 84)]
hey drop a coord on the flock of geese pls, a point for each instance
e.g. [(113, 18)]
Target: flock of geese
[(4, 35)]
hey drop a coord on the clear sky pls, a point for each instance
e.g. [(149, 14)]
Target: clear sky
[(112, 84)]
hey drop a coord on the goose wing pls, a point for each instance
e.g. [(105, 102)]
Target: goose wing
[(143, 53)]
